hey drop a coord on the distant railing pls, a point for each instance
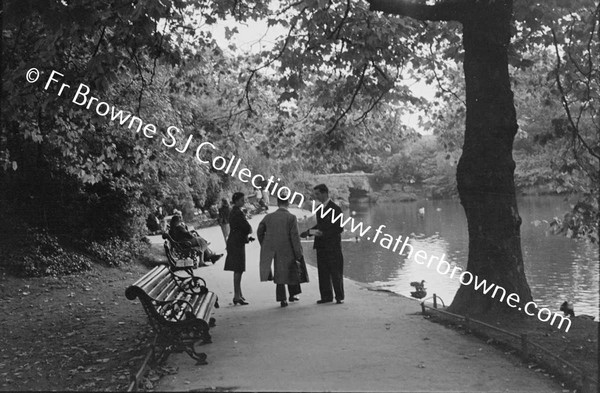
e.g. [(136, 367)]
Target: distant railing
[(588, 384)]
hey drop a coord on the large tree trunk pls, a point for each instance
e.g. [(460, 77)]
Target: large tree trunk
[(485, 172), (486, 169)]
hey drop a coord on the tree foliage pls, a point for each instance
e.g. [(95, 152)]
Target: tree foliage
[(423, 162), (65, 168), (328, 97)]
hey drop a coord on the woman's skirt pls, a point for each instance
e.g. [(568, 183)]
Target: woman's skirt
[(236, 257)]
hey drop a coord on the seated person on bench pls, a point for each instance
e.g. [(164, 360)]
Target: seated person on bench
[(179, 232)]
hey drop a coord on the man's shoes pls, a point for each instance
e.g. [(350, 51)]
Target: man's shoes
[(339, 301), (322, 301), (293, 299), (284, 303)]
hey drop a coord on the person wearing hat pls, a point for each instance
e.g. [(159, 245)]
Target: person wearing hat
[(280, 247), (236, 246), (179, 232)]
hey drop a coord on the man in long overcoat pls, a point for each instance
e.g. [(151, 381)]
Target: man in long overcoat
[(280, 245)]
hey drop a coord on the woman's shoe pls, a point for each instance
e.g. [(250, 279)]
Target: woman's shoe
[(240, 302), (284, 303), (293, 299)]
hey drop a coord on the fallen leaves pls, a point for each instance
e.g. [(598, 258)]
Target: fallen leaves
[(60, 333)]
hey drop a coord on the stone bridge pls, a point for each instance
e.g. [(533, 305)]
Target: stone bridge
[(345, 186), (361, 187)]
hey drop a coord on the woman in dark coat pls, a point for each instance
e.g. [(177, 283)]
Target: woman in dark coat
[(236, 246)]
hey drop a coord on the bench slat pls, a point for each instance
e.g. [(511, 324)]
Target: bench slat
[(159, 287), (179, 296), (155, 274), (206, 306), (169, 292), (192, 300), (152, 279), (196, 302), (176, 296), (136, 290)]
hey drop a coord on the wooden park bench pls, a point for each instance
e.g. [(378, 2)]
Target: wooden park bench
[(178, 253), (182, 260), (179, 310)]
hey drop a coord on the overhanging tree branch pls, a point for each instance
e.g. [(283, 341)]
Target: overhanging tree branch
[(99, 41), (456, 10), (375, 102), (565, 102), (439, 82), (371, 107), (268, 63), (358, 86), (286, 9), (338, 28)]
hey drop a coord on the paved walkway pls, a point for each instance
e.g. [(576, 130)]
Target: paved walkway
[(375, 341)]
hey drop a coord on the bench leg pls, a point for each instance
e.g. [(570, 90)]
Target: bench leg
[(199, 357), (206, 338), (190, 348), (167, 343), (162, 349)]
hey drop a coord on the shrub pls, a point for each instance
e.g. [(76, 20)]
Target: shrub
[(38, 253), (116, 252), (110, 212)]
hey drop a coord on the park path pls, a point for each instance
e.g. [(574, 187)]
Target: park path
[(375, 341)]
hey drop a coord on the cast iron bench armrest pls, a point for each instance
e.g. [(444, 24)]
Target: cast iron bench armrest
[(174, 310), (189, 282), (179, 310)]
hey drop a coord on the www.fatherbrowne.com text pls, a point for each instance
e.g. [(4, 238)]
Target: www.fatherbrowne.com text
[(83, 98), (402, 246)]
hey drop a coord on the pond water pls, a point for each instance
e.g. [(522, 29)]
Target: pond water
[(557, 268)]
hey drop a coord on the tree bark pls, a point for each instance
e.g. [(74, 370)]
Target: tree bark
[(485, 173)]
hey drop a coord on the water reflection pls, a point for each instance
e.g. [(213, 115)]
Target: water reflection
[(557, 268)]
